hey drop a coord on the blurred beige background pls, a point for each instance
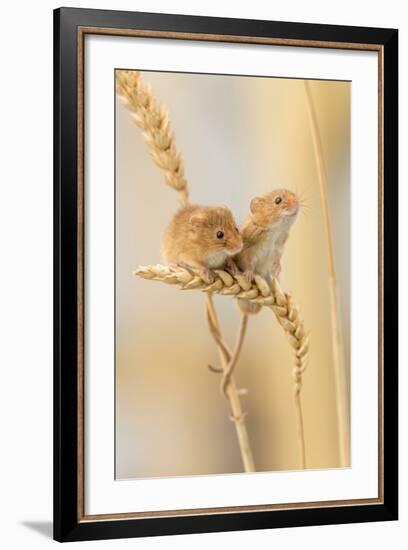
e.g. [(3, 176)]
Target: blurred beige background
[(240, 136)]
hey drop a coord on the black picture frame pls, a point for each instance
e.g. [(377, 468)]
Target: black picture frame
[(68, 524)]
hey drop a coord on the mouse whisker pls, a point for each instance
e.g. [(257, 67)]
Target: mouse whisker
[(307, 193)]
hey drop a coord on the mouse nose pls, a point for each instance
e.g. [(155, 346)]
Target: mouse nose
[(294, 204), (236, 245)]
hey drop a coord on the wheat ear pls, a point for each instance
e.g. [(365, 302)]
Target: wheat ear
[(153, 119), (338, 366), (259, 292)]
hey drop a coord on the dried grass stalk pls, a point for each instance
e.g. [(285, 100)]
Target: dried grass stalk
[(259, 292)]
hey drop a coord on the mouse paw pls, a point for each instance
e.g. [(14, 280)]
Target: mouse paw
[(207, 276), (232, 266), (277, 268), (249, 275)]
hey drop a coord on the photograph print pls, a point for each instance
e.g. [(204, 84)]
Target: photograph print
[(232, 274)]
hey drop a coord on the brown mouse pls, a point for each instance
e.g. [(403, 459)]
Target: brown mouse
[(202, 237), (264, 234)]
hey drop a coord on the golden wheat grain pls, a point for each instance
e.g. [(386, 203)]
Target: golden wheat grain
[(152, 117), (259, 292)]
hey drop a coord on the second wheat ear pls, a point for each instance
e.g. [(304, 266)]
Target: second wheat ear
[(261, 293), (153, 119)]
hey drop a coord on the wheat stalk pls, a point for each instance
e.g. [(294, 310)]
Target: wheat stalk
[(338, 363), (231, 392), (259, 292), (153, 119)]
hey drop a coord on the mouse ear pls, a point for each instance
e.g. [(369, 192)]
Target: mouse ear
[(255, 204), (196, 222)]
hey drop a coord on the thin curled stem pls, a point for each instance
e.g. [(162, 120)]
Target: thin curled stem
[(235, 355), (232, 394)]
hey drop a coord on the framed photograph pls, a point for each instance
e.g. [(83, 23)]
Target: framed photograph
[(225, 274)]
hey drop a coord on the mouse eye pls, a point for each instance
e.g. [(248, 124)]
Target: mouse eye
[(278, 200), (220, 234)]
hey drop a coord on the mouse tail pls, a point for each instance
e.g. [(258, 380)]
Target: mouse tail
[(246, 306)]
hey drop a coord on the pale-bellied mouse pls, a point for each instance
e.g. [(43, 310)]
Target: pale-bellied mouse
[(264, 234)]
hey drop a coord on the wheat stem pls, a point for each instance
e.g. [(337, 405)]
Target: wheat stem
[(300, 430), (238, 416), (340, 386)]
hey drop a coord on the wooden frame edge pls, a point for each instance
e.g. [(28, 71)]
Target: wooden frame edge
[(82, 31)]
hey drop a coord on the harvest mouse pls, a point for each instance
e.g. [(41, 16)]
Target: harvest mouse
[(202, 237), (264, 234)]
